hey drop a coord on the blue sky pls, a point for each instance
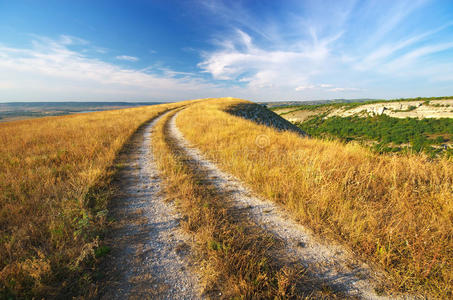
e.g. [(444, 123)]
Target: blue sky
[(168, 50)]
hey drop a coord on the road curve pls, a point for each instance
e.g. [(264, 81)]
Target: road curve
[(330, 263), (150, 256)]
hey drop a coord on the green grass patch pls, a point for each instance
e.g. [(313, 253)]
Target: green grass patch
[(102, 251), (389, 134)]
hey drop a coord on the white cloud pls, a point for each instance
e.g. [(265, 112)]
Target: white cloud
[(355, 46), (5, 85), (389, 17), (386, 51), (50, 70), (325, 87), (422, 51), (234, 13), (304, 87), (127, 58), (310, 52), (71, 40), (240, 59), (343, 89)]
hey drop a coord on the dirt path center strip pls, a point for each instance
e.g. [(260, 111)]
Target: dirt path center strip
[(145, 262)]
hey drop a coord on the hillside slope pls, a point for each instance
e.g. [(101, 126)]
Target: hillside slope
[(261, 115), (397, 109), (392, 211)]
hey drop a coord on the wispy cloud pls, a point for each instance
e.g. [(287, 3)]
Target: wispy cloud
[(257, 50), (233, 12), (390, 16), (240, 59), (343, 89), (304, 87), (127, 58), (349, 45), (417, 53), (69, 40), (387, 51), (52, 70), (325, 87)]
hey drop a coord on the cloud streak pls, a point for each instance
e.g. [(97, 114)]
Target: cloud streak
[(240, 59), (258, 50), (127, 58), (325, 87), (55, 72), (350, 46)]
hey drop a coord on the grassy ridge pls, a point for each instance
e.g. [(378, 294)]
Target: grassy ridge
[(54, 175), (394, 211)]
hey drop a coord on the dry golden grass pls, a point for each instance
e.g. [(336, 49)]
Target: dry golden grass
[(236, 256), (395, 212), (54, 176), (54, 186)]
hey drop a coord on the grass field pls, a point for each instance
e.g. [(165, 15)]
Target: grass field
[(234, 253), (54, 188), (395, 212), (13, 111)]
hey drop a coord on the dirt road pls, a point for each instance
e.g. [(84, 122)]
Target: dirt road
[(150, 255), (330, 263)]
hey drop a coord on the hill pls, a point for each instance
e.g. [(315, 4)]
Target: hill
[(10, 111), (391, 126), (218, 198)]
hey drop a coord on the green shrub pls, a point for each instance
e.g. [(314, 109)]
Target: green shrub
[(390, 133)]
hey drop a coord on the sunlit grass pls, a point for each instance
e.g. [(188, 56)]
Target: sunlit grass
[(233, 252), (54, 176), (395, 212)]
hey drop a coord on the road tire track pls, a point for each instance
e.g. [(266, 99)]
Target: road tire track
[(330, 263), (150, 256)]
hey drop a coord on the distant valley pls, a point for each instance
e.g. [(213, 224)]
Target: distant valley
[(11, 111)]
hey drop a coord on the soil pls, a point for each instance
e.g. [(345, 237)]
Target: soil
[(328, 262), (150, 254)]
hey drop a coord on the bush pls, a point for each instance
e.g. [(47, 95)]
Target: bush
[(385, 130)]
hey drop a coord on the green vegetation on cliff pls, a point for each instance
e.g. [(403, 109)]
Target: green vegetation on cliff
[(388, 134)]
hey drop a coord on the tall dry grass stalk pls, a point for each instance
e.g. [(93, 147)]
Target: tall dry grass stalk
[(394, 211), (54, 176)]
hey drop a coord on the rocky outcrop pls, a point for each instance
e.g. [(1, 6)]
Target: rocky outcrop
[(261, 115), (404, 109)]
